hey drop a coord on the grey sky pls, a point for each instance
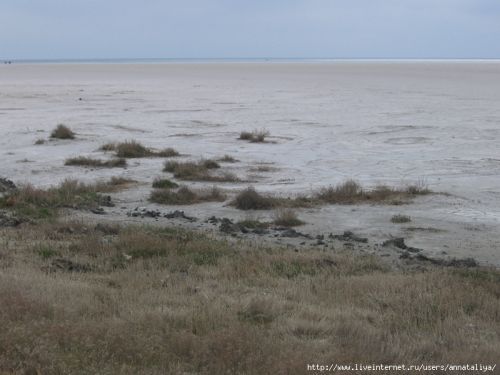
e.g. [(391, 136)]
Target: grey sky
[(48, 29)]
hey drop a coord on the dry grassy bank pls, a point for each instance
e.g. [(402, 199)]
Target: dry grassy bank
[(81, 299)]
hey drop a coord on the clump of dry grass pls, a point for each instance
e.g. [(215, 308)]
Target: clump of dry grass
[(250, 199), (257, 136), (62, 132), (97, 163), (400, 219), (31, 202), (165, 301), (40, 141), (184, 196), (198, 171), (163, 183), (351, 192), (134, 149), (227, 159), (287, 217)]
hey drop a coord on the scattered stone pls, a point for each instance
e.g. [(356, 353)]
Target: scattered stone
[(292, 233), (348, 236), (105, 200), (179, 215), (213, 220), (62, 264), (399, 242), (260, 231), (227, 226), (7, 186), (7, 219)]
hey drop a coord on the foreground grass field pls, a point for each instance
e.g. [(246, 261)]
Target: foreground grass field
[(80, 298)]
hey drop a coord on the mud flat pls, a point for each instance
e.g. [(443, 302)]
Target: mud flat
[(432, 123)]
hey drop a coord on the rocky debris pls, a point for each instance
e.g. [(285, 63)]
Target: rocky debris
[(348, 236), (98, 211), (7, 219), (213, 220), (107, 229), (399, 242), (460, 263), (105, 200), (144, 212), (292, 233), (227, 226), (179, 215), (6, 185), (61, 264)]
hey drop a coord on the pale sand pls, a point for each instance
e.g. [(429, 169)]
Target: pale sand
[(392, 123)]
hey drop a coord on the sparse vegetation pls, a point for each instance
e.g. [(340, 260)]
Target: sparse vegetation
[(134, 149), (257, 136), (163, 183), (62, 132), (31, 202), (142, 300), (250, 199), (351, 192), (40, 141), (184, 196), (97, 163), (253, 224), (400, 219), (287, 217), (198, 171), (227, 159)]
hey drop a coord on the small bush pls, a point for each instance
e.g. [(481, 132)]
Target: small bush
[(249, 199), (287, 217), (227, 159), (167, 153), (198, 171), (400, 219), (62, 132), (108, 147), (185, 195), (40, 141), (163, 183), (89, 162), (347, 192), (131, 149), (257, 136)]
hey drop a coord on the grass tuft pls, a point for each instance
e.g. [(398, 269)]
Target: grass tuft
[(198, 171), (186, 196), (287, 217), (97, 163), (62, 132), (163, 183), (257, 136), (400, 219)]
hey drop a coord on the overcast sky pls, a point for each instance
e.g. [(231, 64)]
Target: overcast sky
[(47, 29)]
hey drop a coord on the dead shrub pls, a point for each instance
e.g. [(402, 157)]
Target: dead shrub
[(62, 132)]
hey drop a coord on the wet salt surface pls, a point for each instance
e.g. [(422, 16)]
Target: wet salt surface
[(393, 123)]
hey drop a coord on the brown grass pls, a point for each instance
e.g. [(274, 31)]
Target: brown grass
[(161, 301), (96, 163), (163, 183), (198, 171), (287, 217), (134, 149), (31, 202), (351, 192), (227, 159), (185, 196), (400, 219), (62, 132), (257, 136)]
